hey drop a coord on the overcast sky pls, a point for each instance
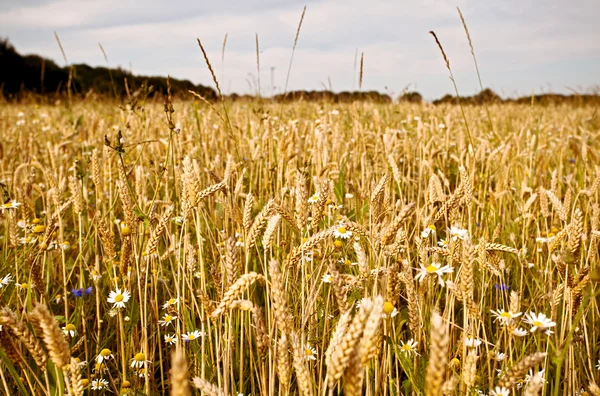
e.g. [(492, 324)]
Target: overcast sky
[(522, 46)]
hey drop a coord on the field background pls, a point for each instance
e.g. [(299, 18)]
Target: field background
[(209, 205)]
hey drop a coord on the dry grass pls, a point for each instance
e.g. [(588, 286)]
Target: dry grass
[(243, 259)]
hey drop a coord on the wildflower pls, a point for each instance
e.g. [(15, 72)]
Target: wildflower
[(500, 391), (434, 269), (87, 291), (310, 353), (6, 280), (171, 339), (9, 205), (58, 298), (499, 356), (349, 196), (27, 240), (327, 278), (138, 360), (409, 347), (99, 384), (166, 320), (24, 286), (104, 355), (544, 240), (84, 382), (126, 318), (342, 232), (308, 256), (430, 230), (598, 365), (172, 301), (141, 372), (472, 342), (39, 229), (441, 126), (192, 335), (95, 275), (531, 375), (347, 262), (70, 329), (443, 243), (389, 309), (520, 332), (501, 286), (118, 298), (505, 316), (314, 198), (80, 363), (458, 233), (539, 321)]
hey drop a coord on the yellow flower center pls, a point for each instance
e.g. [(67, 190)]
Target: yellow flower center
[(406, 347), (105, 352), (139, 357), (308, 352), (537, 323), (24, 285), (505, 315), (431, 227), (171, 301), (191, 337), (338, 244), (388, 307), (342, 230), (38, 229), (126, 384), (168, 318), (36, 221), (431, 269), (118, 298), (70, 327), (85, 382)]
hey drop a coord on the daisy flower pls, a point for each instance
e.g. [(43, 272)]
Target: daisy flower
[(24, 286), (313, 199), (70, 329), (500, 391), (505, 317), (434, 269), (6, 280), (538, 321), (349, 196), (192, 335), (9, 205), (443, 243), (389, 309), (472, 342), (430, 230), (171, 339), (99, 384), (166, 320), (138, 360), (172, 301), (310, 353), (409, 347), (598, 365), (327, 278), (520, 332), (118, 298), (499, 356), (104, 355), (342, 232), (458, 233)]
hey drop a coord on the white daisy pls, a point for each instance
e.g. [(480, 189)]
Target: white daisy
[(409, 347), (99, 384), (505, 317), (327, 278), (166, 320), (314, 198), (458, 233), (472, 342), (520, 332), (389, 310), (70, 329), (538, 321), (104, 356), (430, 230), (349, 196), (499, 356), (9, 205), (342, 232), (192, 335), (6, 280), (118, 298), (171, 339), (138, 360), (172, 301), (432, 270), (310, 353), (500, 391)]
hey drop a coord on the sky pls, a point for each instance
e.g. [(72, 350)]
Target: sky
[(522, 46)]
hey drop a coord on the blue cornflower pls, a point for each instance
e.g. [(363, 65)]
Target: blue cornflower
[(502, 286), (81, 292)]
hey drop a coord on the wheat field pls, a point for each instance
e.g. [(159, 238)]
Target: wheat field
[(256, 248)]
